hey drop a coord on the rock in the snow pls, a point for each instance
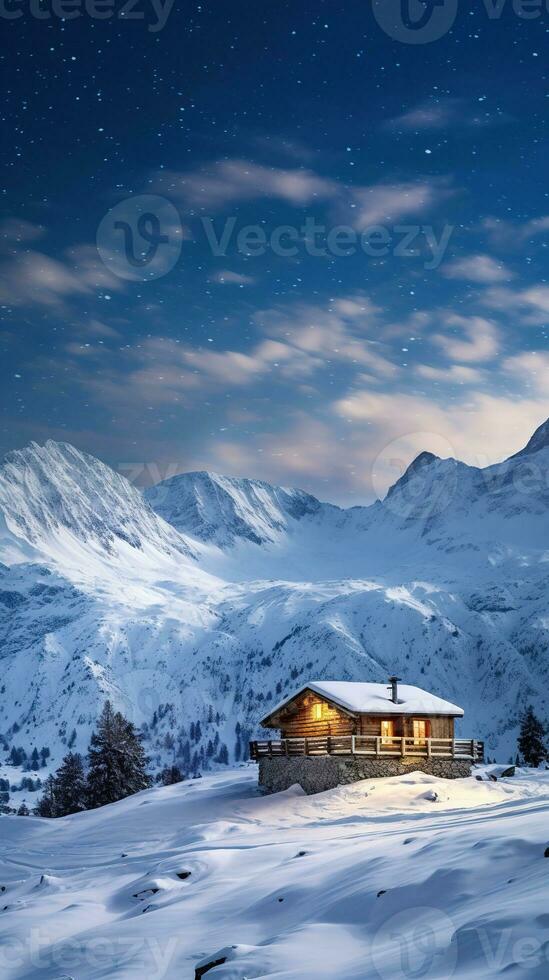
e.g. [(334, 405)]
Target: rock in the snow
[(222, 955)]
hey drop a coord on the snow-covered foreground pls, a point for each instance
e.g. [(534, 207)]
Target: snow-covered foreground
[(408, 877)]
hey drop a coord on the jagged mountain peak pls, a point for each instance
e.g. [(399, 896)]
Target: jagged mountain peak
[(51, 452), (419, 463), (539, 441), (55, 488), (222, 509)]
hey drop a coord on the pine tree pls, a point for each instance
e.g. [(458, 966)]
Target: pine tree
[(16, 757), (531, 743), (117, 762), (47, 804), (23, 810), (134, 759), (104, 776), (171, 775), (70, 785)]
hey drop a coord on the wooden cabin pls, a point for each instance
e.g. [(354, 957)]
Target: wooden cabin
[(348, 708), (352, 718)]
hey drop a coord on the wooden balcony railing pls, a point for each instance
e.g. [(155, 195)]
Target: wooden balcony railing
[(371, 745)]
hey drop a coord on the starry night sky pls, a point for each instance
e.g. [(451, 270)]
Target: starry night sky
[(325, 371)]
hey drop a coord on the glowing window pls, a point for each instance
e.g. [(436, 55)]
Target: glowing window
[(387, 730), (317, 712), (420, 731)]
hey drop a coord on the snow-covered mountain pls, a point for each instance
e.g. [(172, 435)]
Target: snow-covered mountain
[(222, 510), (197, 604), (54, 495)]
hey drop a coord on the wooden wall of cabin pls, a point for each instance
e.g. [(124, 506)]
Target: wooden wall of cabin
[(300, 722), (440, 725)]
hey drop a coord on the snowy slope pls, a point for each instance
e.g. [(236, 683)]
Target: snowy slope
[(382, 880), (220, 509), (54, 491), (198, 619)]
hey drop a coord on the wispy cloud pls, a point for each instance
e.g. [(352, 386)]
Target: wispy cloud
[(438, 114), (481, 269), (532, 368), (513, 235), (295, 343), (450, 374), (479, 339), (528, 306), (18, 231), (225, 277), (227, 182), (34, 279), (389, 203)]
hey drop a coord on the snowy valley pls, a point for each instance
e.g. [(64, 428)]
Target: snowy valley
[(196, 605), (382, 880)]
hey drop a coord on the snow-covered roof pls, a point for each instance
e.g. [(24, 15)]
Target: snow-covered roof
[(367, 698)]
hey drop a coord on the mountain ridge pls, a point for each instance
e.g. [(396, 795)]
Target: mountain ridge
[(538, 441), (196, 605)]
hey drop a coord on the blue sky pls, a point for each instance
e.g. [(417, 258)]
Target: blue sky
[(415, 318)]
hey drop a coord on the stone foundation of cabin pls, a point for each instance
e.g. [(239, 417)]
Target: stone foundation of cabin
[(316, 774)]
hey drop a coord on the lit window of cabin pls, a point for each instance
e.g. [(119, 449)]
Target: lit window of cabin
[(387, 730), (420, 731), (317, 712)]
